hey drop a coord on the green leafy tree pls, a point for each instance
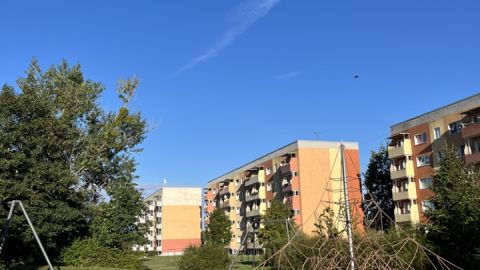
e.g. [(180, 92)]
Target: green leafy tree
[(114, 225), (454, 223), (379, 186), (59, 150), (218, 229), (274, 222)]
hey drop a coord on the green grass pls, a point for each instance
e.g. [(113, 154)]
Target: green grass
[(150, 263), (170, 263)]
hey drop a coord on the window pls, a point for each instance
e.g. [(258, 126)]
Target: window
[(269, 187), (296, 212), (437, 133), (425, 183), (268, 171), (423, 160), (403, 207), (455, 127), (420, 138), (402, 186), (461, 151), (476, 119), (439, 156), (427, 205), (238, 224)]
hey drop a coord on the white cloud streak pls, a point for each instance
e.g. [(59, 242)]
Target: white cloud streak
[(244, 17), (287, 76)]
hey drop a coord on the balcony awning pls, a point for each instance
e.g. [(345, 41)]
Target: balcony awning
[(399, 135), (226, 181), (472, 111)]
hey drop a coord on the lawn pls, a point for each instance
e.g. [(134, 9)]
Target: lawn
[(169, 263), (150, 263)]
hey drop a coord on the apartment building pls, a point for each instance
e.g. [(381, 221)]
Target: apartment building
[(415, 150), (305, 175), (175, 218)]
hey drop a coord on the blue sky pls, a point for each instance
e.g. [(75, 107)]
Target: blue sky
[(225, 81)]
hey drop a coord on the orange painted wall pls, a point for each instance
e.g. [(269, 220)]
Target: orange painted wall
[(180, 222), (317, 193), (314, 176), (354, 187)]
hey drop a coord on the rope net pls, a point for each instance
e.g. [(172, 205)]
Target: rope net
[(328, 247)]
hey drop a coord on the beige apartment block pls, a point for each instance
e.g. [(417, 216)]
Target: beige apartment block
[(175, 220), (305, 175), (415, 150)]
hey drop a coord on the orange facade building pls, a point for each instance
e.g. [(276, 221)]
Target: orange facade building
[(174, 214), (305, 175)]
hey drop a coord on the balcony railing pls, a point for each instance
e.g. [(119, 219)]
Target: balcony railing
[(250, 245), (403, 218), (253, 213), (397, 196), (472, 158), (404, 150), (251, 197), (404, 172), (252, 180), (224, 190), (471, 130), (285, 169)]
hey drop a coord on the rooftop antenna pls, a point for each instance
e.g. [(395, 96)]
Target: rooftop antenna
[(317, 135)]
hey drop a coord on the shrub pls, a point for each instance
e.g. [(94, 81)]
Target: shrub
[(207, 257), (89, 252)]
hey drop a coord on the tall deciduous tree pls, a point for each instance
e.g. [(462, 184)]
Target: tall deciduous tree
[(454, 223), (59, 151), (274, 220), (218, 229), (379, 186)]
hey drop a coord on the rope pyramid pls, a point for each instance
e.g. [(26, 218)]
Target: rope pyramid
[(373, 249)]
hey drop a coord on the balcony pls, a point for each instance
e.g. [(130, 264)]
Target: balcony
[(287, 187), (159, 226), (472, 158), (285, 169), (403, 218), (158, 237), (398, 151), (257, 245), (252, 180), (251, 197), (253, 213), (410, 193), (397, 196), (224, 190), (403, 173), (471, 130)]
